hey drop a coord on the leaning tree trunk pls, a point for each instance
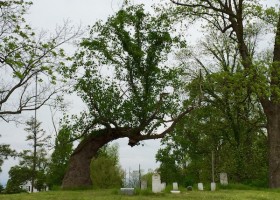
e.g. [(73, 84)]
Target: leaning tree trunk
[(272, 111), (78, 172)]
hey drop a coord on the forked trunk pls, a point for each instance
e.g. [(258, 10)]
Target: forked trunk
[(272, 111)]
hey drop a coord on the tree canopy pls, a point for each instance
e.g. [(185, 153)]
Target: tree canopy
[(126, 82)]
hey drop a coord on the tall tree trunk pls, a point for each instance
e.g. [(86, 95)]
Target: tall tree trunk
[(272, 111), (78, 172)]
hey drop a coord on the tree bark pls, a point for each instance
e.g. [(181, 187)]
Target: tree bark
[(78, 172), (272, 111)]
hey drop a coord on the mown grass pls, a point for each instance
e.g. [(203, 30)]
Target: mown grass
[(114, 195)]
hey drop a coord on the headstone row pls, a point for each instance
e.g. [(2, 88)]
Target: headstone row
[(157, 186)]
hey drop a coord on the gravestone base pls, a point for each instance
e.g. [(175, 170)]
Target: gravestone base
[(127, 191), (175, 191), (175, 188)]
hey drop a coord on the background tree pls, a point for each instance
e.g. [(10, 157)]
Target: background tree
[(22, 173), (60, 157), (126, 85), (24, 56), (170, 168), (18, 175), (5, 152), (148, 177), (35, 158), (1, 188), (236, 19), (105, 168), (229, 123)]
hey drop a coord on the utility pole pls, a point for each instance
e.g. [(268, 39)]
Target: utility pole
[(35, 137), (213, 184), (139, 177), (213, 175)]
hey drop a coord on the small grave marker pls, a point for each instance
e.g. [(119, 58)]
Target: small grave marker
[(175, 188), (200, 186), (223, 179), (213, 186)]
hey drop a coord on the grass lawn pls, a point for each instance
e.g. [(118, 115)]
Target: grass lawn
[(113, 195)]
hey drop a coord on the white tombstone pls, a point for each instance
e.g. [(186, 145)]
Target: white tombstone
[(163, 186), (175, 186), (223, 179), (156, 183), (213, 186), (200, 186)]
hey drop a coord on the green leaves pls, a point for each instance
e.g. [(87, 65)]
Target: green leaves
[(124, 75), (105, 169), (60, 157), (5, 152)]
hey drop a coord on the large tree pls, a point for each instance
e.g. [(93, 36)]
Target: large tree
[(229, 123), (126, 84), (237, 19), (25, 56)]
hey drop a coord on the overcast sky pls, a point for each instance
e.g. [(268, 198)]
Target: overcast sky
[(46, 15)]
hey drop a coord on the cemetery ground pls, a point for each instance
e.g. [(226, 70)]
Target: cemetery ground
[(254, 194)]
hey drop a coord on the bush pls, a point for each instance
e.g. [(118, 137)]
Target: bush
[(236, 186), (1, 188), (148, 177), (104, 174)]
